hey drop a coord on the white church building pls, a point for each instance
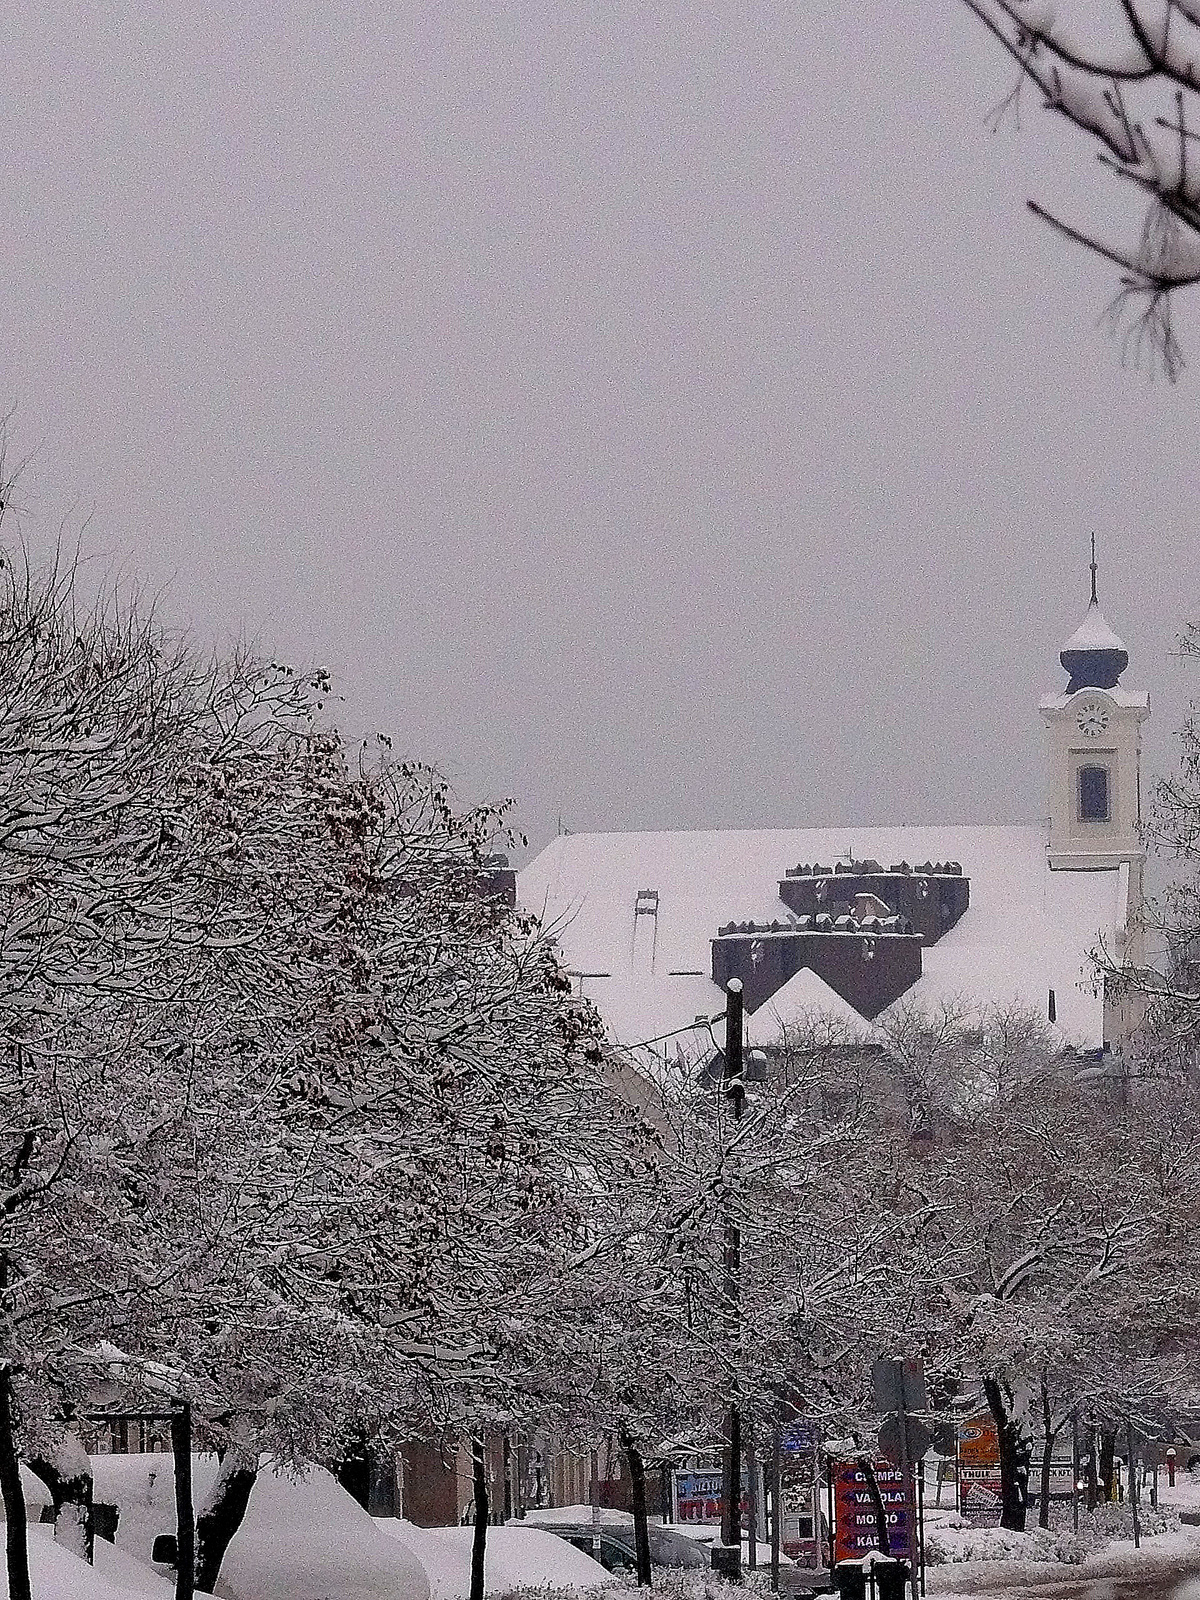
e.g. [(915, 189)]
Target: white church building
[(852, 921)]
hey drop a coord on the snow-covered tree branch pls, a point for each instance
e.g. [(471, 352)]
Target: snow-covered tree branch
[(1126, 74)]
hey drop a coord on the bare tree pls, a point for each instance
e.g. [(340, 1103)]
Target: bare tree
[(1127, 74)]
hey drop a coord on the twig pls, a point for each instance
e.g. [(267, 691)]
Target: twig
[(1092, 244)]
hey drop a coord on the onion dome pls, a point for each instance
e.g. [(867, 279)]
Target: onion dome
[(1094, 655)]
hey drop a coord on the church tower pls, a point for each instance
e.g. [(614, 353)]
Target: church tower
[(1094, 748), (1094, 786)]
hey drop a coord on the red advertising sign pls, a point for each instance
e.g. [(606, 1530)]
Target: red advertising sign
[(856, 1530), (979, 1483)]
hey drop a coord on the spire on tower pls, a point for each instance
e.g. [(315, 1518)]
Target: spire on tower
[(1094, 656)]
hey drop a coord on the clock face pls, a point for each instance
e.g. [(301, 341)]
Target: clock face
[(1092, 718)]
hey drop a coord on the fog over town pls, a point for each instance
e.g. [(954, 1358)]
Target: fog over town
[(619, 402)]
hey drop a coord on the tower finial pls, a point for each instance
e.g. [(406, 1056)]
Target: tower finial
[(1094, 569)]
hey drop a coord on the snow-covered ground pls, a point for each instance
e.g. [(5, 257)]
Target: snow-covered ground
[(303, 1538), (1158, 1561), (306, 1539)]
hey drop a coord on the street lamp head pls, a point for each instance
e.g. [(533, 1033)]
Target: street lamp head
[(734, 986)]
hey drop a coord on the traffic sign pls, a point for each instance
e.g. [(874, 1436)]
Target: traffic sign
[(892, 1441), (899, 1386)]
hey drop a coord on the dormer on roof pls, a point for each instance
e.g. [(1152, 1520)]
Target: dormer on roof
[(868, 964), (931, 896)]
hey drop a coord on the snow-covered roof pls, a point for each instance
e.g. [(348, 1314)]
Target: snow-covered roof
[(1094, 633), (803, 997), (1137, 699), (1027, 929)]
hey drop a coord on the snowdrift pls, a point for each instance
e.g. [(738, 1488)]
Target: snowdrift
[(303, 1538), (56, 1574), (36, 1495), (516, 1558)]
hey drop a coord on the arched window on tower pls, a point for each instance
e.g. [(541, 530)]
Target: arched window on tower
[(1093, 794)]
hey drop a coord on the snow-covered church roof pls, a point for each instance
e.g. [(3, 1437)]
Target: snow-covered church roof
[(636, 915)]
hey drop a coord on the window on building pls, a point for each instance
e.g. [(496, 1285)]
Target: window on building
[(1093, 794)]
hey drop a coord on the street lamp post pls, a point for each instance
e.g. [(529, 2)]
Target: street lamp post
[(730, 1559)]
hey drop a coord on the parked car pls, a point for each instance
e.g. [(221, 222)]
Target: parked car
[(617, 1551), (518, 1557)]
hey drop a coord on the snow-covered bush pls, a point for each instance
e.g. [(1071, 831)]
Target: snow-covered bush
[(548, 1591), (1114, 1520), (953, 1541), (702, 1583), (947, 1543)]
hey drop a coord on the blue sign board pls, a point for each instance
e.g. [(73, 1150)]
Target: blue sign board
[(698, 1495), (800, 1438)]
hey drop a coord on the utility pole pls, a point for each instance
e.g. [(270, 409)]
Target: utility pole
[(730, 1560), (1134, 1487), (1075, 1471), (776, 1487)]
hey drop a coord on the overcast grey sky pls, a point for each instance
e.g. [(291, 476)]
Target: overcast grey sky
[(664, 414)]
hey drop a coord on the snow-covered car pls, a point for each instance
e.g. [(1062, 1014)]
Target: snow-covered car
[(617, 1547), (518, 1556), (302, 1538), (55, 1572)]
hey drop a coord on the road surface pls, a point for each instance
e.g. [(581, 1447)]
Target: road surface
[(1181, 1583), (1168, 1580)]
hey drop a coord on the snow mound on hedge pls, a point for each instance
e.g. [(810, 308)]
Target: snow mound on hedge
[(952, 1540), (305, 1538), (1114, 1520), (517, 1558), (946, 1544)]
